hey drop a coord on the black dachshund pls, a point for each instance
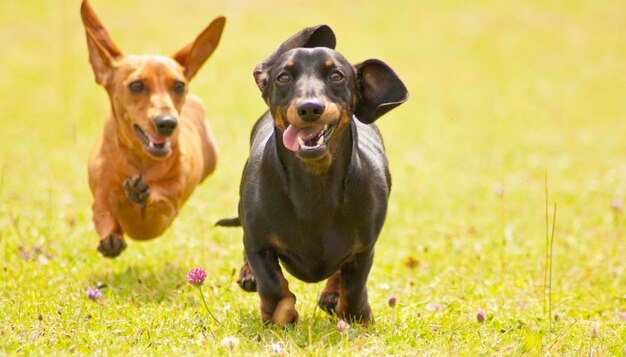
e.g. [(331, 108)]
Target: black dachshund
[(315, 188)]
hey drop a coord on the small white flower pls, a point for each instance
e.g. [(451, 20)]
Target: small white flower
[(230, 342), (618, 205), (276, 349), (434, 306), (343, 326)]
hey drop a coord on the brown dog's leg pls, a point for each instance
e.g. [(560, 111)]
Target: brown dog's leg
[(246, 281), (111, 237), (278, 304), (353, 304), (330, 294)]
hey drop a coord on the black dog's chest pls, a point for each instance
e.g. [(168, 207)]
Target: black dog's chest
[(314, 254), (314, 226)]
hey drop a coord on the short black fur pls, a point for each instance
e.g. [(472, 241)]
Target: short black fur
[(319, 214)]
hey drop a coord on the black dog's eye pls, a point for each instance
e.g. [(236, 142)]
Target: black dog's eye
[(136, 87), (179, 87), (336, 76), (283, 78)]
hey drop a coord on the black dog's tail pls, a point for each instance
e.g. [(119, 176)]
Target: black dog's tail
[(229, 222)]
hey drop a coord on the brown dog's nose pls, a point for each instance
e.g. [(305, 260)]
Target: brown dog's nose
[(311, 110), (166, 124)]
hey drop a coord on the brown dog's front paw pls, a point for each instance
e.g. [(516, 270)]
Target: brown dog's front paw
[(246, 281), (112, 245), (328, 302), (137, 190)]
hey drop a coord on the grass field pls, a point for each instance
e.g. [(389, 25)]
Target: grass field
[(502, 94)]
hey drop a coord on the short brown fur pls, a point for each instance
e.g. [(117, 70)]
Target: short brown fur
[(136, 192)]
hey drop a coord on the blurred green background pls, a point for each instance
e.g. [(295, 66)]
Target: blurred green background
[(503, 93)]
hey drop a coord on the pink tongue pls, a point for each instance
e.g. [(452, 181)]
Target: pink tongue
[(291, 134), (157, 139)]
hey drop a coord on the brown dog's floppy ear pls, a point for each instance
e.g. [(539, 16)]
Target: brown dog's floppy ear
[(310, 37), (380, 90), (193, 56), (102, 51)]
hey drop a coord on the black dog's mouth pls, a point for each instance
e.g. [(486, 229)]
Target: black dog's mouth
[(316, 141), (310, 141), (156, 146)]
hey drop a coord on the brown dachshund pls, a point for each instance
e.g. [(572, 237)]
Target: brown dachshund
[(157, 144)]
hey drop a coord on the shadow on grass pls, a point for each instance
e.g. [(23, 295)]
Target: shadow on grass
[(145, 282)]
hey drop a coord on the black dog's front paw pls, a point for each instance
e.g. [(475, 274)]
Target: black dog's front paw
[(137, 190), (246, 280), (328, 302)]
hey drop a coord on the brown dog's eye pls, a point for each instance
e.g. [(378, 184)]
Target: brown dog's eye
[(283, 78), (179, 87), (136, 87), (336, 76)]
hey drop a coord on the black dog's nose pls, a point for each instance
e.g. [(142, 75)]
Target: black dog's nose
[(311, 110), (166, 124)]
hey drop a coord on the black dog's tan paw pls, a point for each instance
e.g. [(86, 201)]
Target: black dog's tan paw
[(285, 313), (328, 302), (246, 280), (112, 245), (137, 190)]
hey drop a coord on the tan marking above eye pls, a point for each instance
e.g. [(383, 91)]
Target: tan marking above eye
[(328, 63), (289, 63)]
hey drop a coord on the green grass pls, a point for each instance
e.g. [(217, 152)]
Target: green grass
[(502, 93)]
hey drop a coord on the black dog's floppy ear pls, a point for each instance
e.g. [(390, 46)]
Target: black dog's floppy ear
[(380, 90), (310, 37)]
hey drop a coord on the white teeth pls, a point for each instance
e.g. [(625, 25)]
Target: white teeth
[(320, 141), (166, 146)]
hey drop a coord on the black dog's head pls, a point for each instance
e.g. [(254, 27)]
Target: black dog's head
[(313, 91)]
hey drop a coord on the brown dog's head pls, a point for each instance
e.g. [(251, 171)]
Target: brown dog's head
[(147, 93), (313, 91)]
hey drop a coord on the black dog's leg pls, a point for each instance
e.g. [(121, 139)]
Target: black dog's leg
[(278, 304), (246, 281), (353, 304), (330, 295)]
